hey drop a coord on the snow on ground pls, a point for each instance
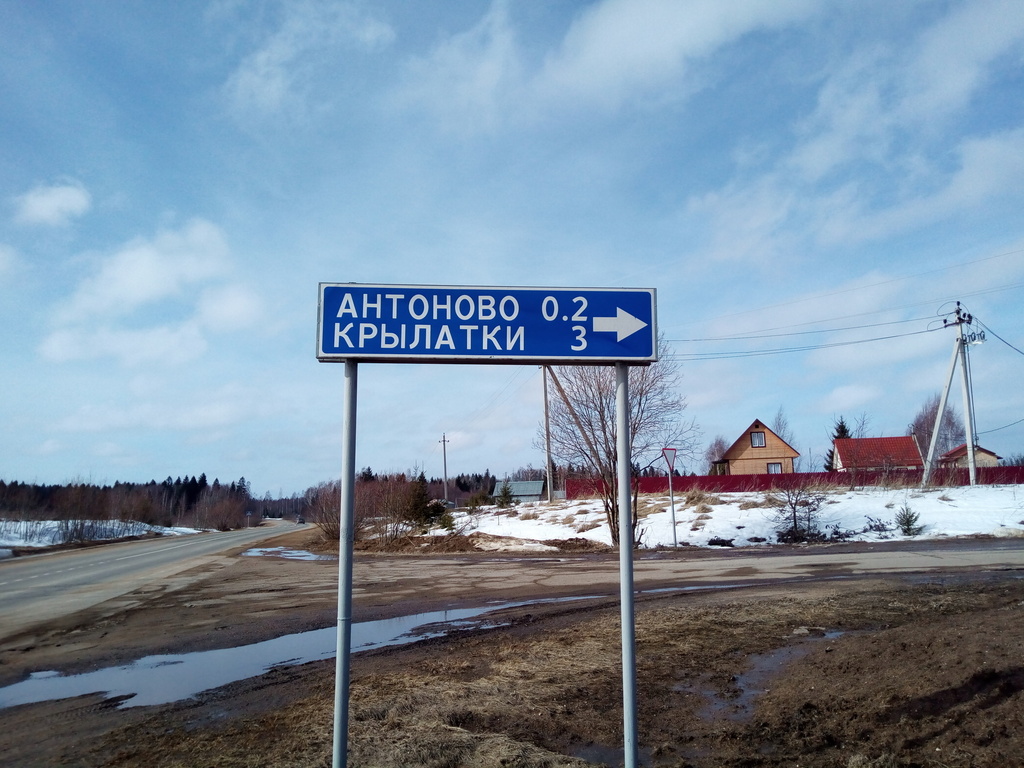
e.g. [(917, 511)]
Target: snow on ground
[(742, 517), (45, 533)]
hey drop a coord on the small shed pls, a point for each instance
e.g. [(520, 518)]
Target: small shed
[(958, 457), (526, 490)]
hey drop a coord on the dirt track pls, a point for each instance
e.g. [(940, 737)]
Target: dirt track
[(860, 672)]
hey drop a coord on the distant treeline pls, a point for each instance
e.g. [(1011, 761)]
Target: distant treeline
[(189, 501)]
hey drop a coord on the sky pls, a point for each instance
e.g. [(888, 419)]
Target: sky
[(176, 179)]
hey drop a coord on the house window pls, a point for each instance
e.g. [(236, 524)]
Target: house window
[(757, 439), (774, 468)]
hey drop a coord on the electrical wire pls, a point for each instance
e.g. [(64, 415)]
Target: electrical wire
[(1000, 338), (699, 356), (1005, 426), (745, 336), (888, 282)]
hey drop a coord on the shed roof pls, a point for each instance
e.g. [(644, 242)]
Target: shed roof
[(526, 488), (874, 452), (961, 451)]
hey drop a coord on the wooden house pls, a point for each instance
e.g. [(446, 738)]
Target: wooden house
[(758, 451)]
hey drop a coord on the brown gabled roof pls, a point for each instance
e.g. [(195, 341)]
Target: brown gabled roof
[(877, 452), (961, 451), (759, 426)]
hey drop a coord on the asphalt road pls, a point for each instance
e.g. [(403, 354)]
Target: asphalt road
[(406, 579), (39, 588)]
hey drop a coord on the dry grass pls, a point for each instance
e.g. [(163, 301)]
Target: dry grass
[(527, 701), (698, 496)]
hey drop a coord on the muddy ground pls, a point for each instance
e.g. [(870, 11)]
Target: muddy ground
[(909, 671)]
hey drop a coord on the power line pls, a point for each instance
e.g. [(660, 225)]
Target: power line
[(699, 356), (999, 337), (884, 282), (1005, 426), (745, 336)]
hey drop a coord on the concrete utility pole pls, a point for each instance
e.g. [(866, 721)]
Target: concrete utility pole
[(961, 318), (444, 458)]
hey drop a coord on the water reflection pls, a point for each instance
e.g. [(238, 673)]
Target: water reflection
[(163, 679)]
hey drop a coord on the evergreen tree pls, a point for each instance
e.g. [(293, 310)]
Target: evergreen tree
[(841, 431), (420, 509), (505, 499)]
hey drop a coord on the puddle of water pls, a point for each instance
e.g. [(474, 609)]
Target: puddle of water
[(285, 553), (764, 668), (164, 679)]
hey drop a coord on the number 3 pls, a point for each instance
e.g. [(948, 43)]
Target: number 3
[(581, 333)]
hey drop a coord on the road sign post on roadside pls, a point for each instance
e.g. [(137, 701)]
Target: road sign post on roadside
[(485, 325)]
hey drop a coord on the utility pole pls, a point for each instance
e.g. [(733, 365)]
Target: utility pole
[(960, 318), (444, 454)]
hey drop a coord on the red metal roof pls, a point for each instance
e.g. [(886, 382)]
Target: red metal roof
[(961, 451), (877, 452)]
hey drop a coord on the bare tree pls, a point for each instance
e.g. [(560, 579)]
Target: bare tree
[(780, 426), (860, 425), (714, 452), (951, 428), (583, 424)]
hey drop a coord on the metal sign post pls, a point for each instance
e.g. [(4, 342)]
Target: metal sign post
[(462, 324), (623, 472), (346, 539)]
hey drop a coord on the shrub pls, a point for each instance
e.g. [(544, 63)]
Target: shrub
[(505, 498), (877, 526), (797, 513), (907, 520)]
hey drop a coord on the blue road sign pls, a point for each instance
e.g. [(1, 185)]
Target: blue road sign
[(462, 324)]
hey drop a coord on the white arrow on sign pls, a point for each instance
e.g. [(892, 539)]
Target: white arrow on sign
[(623, 324)]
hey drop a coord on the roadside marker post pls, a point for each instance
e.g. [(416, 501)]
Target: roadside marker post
[(485, 325)]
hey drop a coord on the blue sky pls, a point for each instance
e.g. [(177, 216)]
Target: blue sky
[(177, 178)]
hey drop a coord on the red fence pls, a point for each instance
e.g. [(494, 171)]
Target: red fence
[(585, 487)]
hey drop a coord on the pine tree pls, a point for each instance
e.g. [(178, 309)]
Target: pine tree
[(505, 499), (420, 509), (840, 432)]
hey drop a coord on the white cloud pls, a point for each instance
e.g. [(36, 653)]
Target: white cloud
[(469, 79), (54, 205), (618, 48), (615, 52), (118, 312), (229, 308), (953, 57), (989, 167), (169, 344), (216, 410), (274, 74), (146, 271), (848, 397)]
